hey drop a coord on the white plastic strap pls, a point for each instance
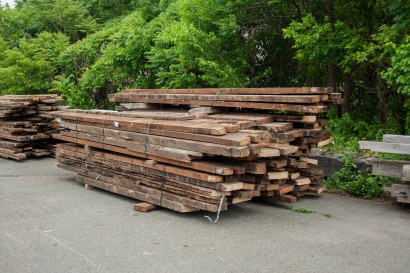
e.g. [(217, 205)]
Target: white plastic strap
[(219, 211)]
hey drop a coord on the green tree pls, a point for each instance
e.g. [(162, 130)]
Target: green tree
[(70, 17), (30, 66)]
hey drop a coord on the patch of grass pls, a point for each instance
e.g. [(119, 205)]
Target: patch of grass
[(328, 215), (304, 210), (307, 210)]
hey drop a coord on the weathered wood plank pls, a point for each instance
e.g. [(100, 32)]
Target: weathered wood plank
[(128, 123), (396, 139), (159, 166), (255, 118), (250, 91), (163, 202), (401, 192), (406, 172), (385, 147), (325, 142), (204, 111), (218, 97), (391, 168), (146, 144), (294, 118), (200, 165), (232, 139), (145, 207), (315, 109)]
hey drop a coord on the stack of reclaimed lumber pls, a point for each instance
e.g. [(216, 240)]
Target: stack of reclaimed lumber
[(26, 125), (190, 158), (395, 144)]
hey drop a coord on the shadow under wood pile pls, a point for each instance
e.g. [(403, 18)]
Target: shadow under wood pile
[(395, 144), (26, 125), (200, 158)]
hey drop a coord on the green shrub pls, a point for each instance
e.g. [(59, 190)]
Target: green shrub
[(353, 181), (347, 131)]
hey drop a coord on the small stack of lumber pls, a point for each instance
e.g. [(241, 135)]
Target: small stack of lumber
[(395, 144), (189, 158), (301, 100), (26, 125)]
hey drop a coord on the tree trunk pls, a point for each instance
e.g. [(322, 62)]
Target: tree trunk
[(332, 64), (332, 76), (348, 88), (383, 99)]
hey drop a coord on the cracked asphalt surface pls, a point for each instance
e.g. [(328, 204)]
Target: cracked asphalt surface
[(49, 223)]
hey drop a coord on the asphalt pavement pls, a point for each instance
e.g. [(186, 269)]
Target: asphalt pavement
[(49, 223)]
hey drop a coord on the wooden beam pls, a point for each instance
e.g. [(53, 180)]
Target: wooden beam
[(396, 139), (406, 172), (401, 192), (250, 91), (129, 123), (391, 168), (385, 147), (315, 109), (303, 99), (144, 207)]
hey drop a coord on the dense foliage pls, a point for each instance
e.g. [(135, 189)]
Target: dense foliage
[(88, 49)]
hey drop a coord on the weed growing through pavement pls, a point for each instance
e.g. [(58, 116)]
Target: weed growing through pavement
[(329, 215), (304, 210), (307, 210)]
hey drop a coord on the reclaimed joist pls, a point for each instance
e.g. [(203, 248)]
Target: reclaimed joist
[(150, 113), (154, 197), (316, 189), (255, 118), (406, 172), (147, 144), (303, 99), (285, 198), (294, 118), (143, 165), (401, 192), (391, 168), (236, 91), (396, 139), (232, 139), (204, 111), (129, 124), (385, 147), (277, 127), (154, 182), (232, 104), (324, 142), (144, 207), (121, 179), (201, 165)]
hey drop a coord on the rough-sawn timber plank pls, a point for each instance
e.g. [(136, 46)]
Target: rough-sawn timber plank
[(249, 91), (385, 147)]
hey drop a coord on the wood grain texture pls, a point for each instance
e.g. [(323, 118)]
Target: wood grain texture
[(385, 147)]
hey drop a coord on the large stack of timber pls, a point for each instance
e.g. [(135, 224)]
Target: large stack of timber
[(171, 153), (26, 125), (395, 144)]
